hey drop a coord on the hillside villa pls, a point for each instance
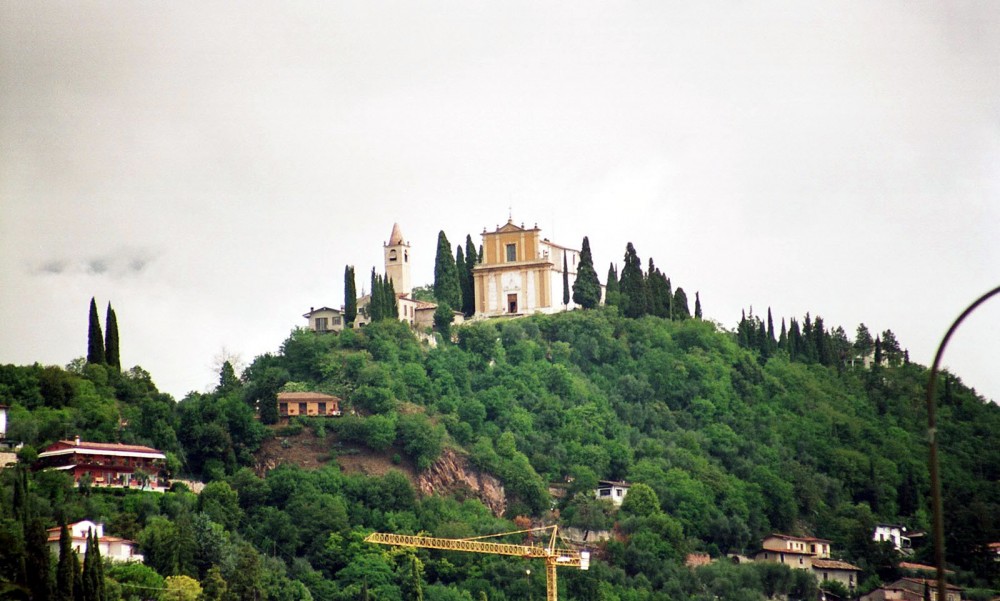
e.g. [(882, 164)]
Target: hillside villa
[(106, 464), (610, 490), (111, 548)]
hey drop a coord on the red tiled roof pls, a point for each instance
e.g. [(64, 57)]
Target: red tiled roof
[(833, 564), (925, 581), (808, 539), (306, 396), (101, 446), (919, 567)]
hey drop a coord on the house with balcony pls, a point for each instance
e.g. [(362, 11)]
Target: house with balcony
[(111, 548), (325, 319), (895, 534), (307, 404), (107, 464)]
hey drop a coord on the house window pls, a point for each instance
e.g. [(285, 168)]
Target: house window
[(322, 408), (302, 409), (800, 561), (321, 324), (283, 408), (336, 321), (511, 253)]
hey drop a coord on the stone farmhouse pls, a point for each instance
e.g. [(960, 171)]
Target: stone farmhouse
[(808, 553)]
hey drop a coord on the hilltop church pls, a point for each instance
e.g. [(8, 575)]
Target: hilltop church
[(520, 273)]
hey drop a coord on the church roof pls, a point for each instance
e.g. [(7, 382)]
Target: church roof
[(396, 237)]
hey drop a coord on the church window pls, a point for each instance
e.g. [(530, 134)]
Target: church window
[(511, 252), (406, 256), (392, 255)]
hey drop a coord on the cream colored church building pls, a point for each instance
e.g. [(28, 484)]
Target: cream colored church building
[(520, 273)]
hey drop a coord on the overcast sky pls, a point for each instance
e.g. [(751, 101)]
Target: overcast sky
[(210, 168)]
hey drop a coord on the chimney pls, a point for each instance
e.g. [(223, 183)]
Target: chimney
[(76, 441)]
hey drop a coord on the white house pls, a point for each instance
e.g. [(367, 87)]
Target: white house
[(610, 490), (894, 534), (3, 422), (111, 547)]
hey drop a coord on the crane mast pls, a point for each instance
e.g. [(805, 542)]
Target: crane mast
[(554, 557)]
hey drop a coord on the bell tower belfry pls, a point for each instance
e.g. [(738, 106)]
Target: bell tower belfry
[(397, 261)]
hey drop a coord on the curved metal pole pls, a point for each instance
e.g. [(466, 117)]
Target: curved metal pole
[(932, 439)]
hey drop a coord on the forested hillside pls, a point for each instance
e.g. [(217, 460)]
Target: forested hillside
[(731, 435)]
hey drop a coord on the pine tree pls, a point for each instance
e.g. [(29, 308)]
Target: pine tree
[(350, 296), (446, 285), (228, 381), (111, 355), (565, 282), (697, 306), (632, 285), (95, 338), (587, 288), (471, 259)]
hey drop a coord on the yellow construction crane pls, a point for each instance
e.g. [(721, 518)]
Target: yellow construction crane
[(554, 557)]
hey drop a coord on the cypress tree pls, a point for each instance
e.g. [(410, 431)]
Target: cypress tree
[(391, 308), (95, 338), (464, 283), (783, 338), (375, 302), (38, 560), (587, 288), (471, 259), (111, 340), (77, 579), (446, 285), (350, 296), (632, 285), (65, 567), (770, 330), (612, 291), (697, 306), (565, 282), (680, 306)]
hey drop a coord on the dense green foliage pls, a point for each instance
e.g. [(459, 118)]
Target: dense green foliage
[(726, 437)]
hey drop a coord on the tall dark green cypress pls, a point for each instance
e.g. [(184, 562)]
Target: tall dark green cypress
[(471, 259), (350, 296), (111, 355), (612, 291), (391, 307), (95, 338), (565, 281), (65, 567), (770, 330), (38, 560), (376, 304), (697, 305), (680, 306), (633, 285), (587, 288), (464, 283), (446, 286)]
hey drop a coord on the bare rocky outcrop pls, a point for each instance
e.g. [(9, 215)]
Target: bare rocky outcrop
[(452, 474)]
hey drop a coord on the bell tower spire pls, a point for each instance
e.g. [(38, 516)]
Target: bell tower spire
[(397, 261)]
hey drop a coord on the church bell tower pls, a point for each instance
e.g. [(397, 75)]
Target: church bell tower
[(397, 261)]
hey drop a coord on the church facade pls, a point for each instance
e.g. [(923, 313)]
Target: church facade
[(522, 273)]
